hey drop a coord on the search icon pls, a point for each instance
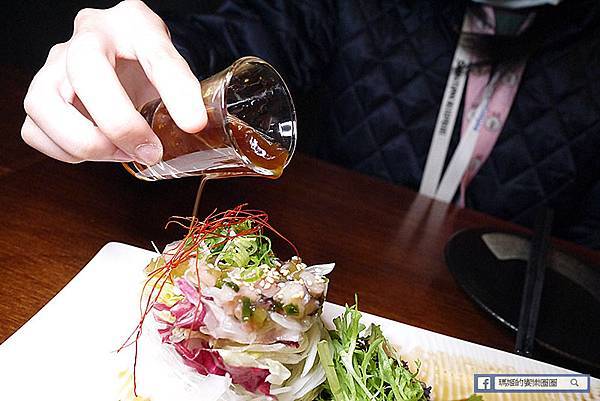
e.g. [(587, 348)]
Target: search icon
[(574, 382)]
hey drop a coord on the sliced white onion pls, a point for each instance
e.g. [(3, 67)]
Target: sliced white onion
[(290, 323), (321, 269)]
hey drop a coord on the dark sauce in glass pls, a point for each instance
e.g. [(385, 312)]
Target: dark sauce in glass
[(212, 152)]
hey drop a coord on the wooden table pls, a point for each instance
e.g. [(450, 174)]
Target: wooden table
[(387, 241), (14, 154)]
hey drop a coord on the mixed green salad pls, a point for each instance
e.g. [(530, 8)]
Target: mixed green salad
[(360, 364)]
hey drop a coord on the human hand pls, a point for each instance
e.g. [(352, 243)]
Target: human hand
[(82, 103)]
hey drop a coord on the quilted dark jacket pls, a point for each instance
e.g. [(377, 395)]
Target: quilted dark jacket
[(384, 65)]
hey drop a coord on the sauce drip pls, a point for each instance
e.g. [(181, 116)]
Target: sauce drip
[(199, 196)]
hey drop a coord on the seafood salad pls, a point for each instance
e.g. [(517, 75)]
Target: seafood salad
[(224, 305), (228, 306)]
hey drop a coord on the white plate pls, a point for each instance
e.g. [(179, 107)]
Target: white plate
[(66, 351)]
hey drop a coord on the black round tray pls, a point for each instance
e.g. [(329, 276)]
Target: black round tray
[(490, 267)]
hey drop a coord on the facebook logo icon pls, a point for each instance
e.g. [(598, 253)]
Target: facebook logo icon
[(483, 383)]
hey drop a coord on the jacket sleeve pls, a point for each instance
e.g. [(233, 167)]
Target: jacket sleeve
[(296, 37), (586, 231)]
